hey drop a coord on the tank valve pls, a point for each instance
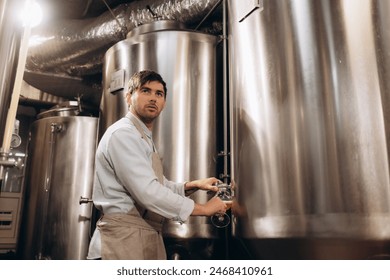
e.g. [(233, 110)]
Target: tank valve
[(225, 193), (85, 200), (56, 127)]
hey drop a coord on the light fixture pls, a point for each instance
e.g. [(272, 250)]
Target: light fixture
[(32, 14)]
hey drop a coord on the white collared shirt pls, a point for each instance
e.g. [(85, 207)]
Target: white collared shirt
[(124, 174)]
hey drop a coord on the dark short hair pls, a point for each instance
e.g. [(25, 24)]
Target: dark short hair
[(142, 77)]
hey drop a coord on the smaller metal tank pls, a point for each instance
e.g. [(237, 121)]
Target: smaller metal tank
[(60, 169)]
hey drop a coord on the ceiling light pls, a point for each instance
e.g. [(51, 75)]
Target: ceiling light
[(32, 13)]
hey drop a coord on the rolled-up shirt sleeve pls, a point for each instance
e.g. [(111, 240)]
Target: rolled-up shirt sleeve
[(175, 187), (131, 160)]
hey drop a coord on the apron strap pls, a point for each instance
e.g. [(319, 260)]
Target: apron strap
[(157, 168)]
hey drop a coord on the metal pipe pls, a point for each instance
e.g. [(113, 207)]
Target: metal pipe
[(11, 163), (208, 14), (10, 36), (11, 115), (225, 93), (121, 26), (6, 161), (55, 128), (85, 200), (225, 108)]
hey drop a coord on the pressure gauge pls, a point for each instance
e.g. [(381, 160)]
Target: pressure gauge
[(15, 140)]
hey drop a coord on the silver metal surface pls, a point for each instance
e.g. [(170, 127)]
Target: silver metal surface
[(59, 171), (310, 119), (71, 48), (10, 37), (64, 109), (185, 133), (155, 26)]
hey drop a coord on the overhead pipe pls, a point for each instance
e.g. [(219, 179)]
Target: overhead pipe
[(77, 47)]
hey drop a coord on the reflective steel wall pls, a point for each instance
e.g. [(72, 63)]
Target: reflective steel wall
[(185, 133), (60, 169), (10, 36), (310, 115)]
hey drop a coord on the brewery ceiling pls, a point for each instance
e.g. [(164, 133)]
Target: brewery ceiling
[(66, 50)]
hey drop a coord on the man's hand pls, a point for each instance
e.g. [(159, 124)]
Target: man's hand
[(207, 184), (212, 207)]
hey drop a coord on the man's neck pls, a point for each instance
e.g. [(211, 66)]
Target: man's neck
[(148, 123)]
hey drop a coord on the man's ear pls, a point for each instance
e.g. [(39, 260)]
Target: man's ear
[(128, 98)]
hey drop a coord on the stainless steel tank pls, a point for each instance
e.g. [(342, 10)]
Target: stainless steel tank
[(185, 133), (60, 169), (310, 120)]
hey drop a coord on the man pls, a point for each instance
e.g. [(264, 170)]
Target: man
[(130, 189)]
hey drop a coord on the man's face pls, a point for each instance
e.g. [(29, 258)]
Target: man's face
[(148, 101)]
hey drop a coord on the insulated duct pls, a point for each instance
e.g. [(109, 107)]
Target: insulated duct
[(76, 48)]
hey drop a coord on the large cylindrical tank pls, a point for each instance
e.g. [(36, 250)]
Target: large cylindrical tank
[(310, 120), (60, 169), (185, 133)]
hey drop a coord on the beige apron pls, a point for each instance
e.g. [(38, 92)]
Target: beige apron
[(136, 235)]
